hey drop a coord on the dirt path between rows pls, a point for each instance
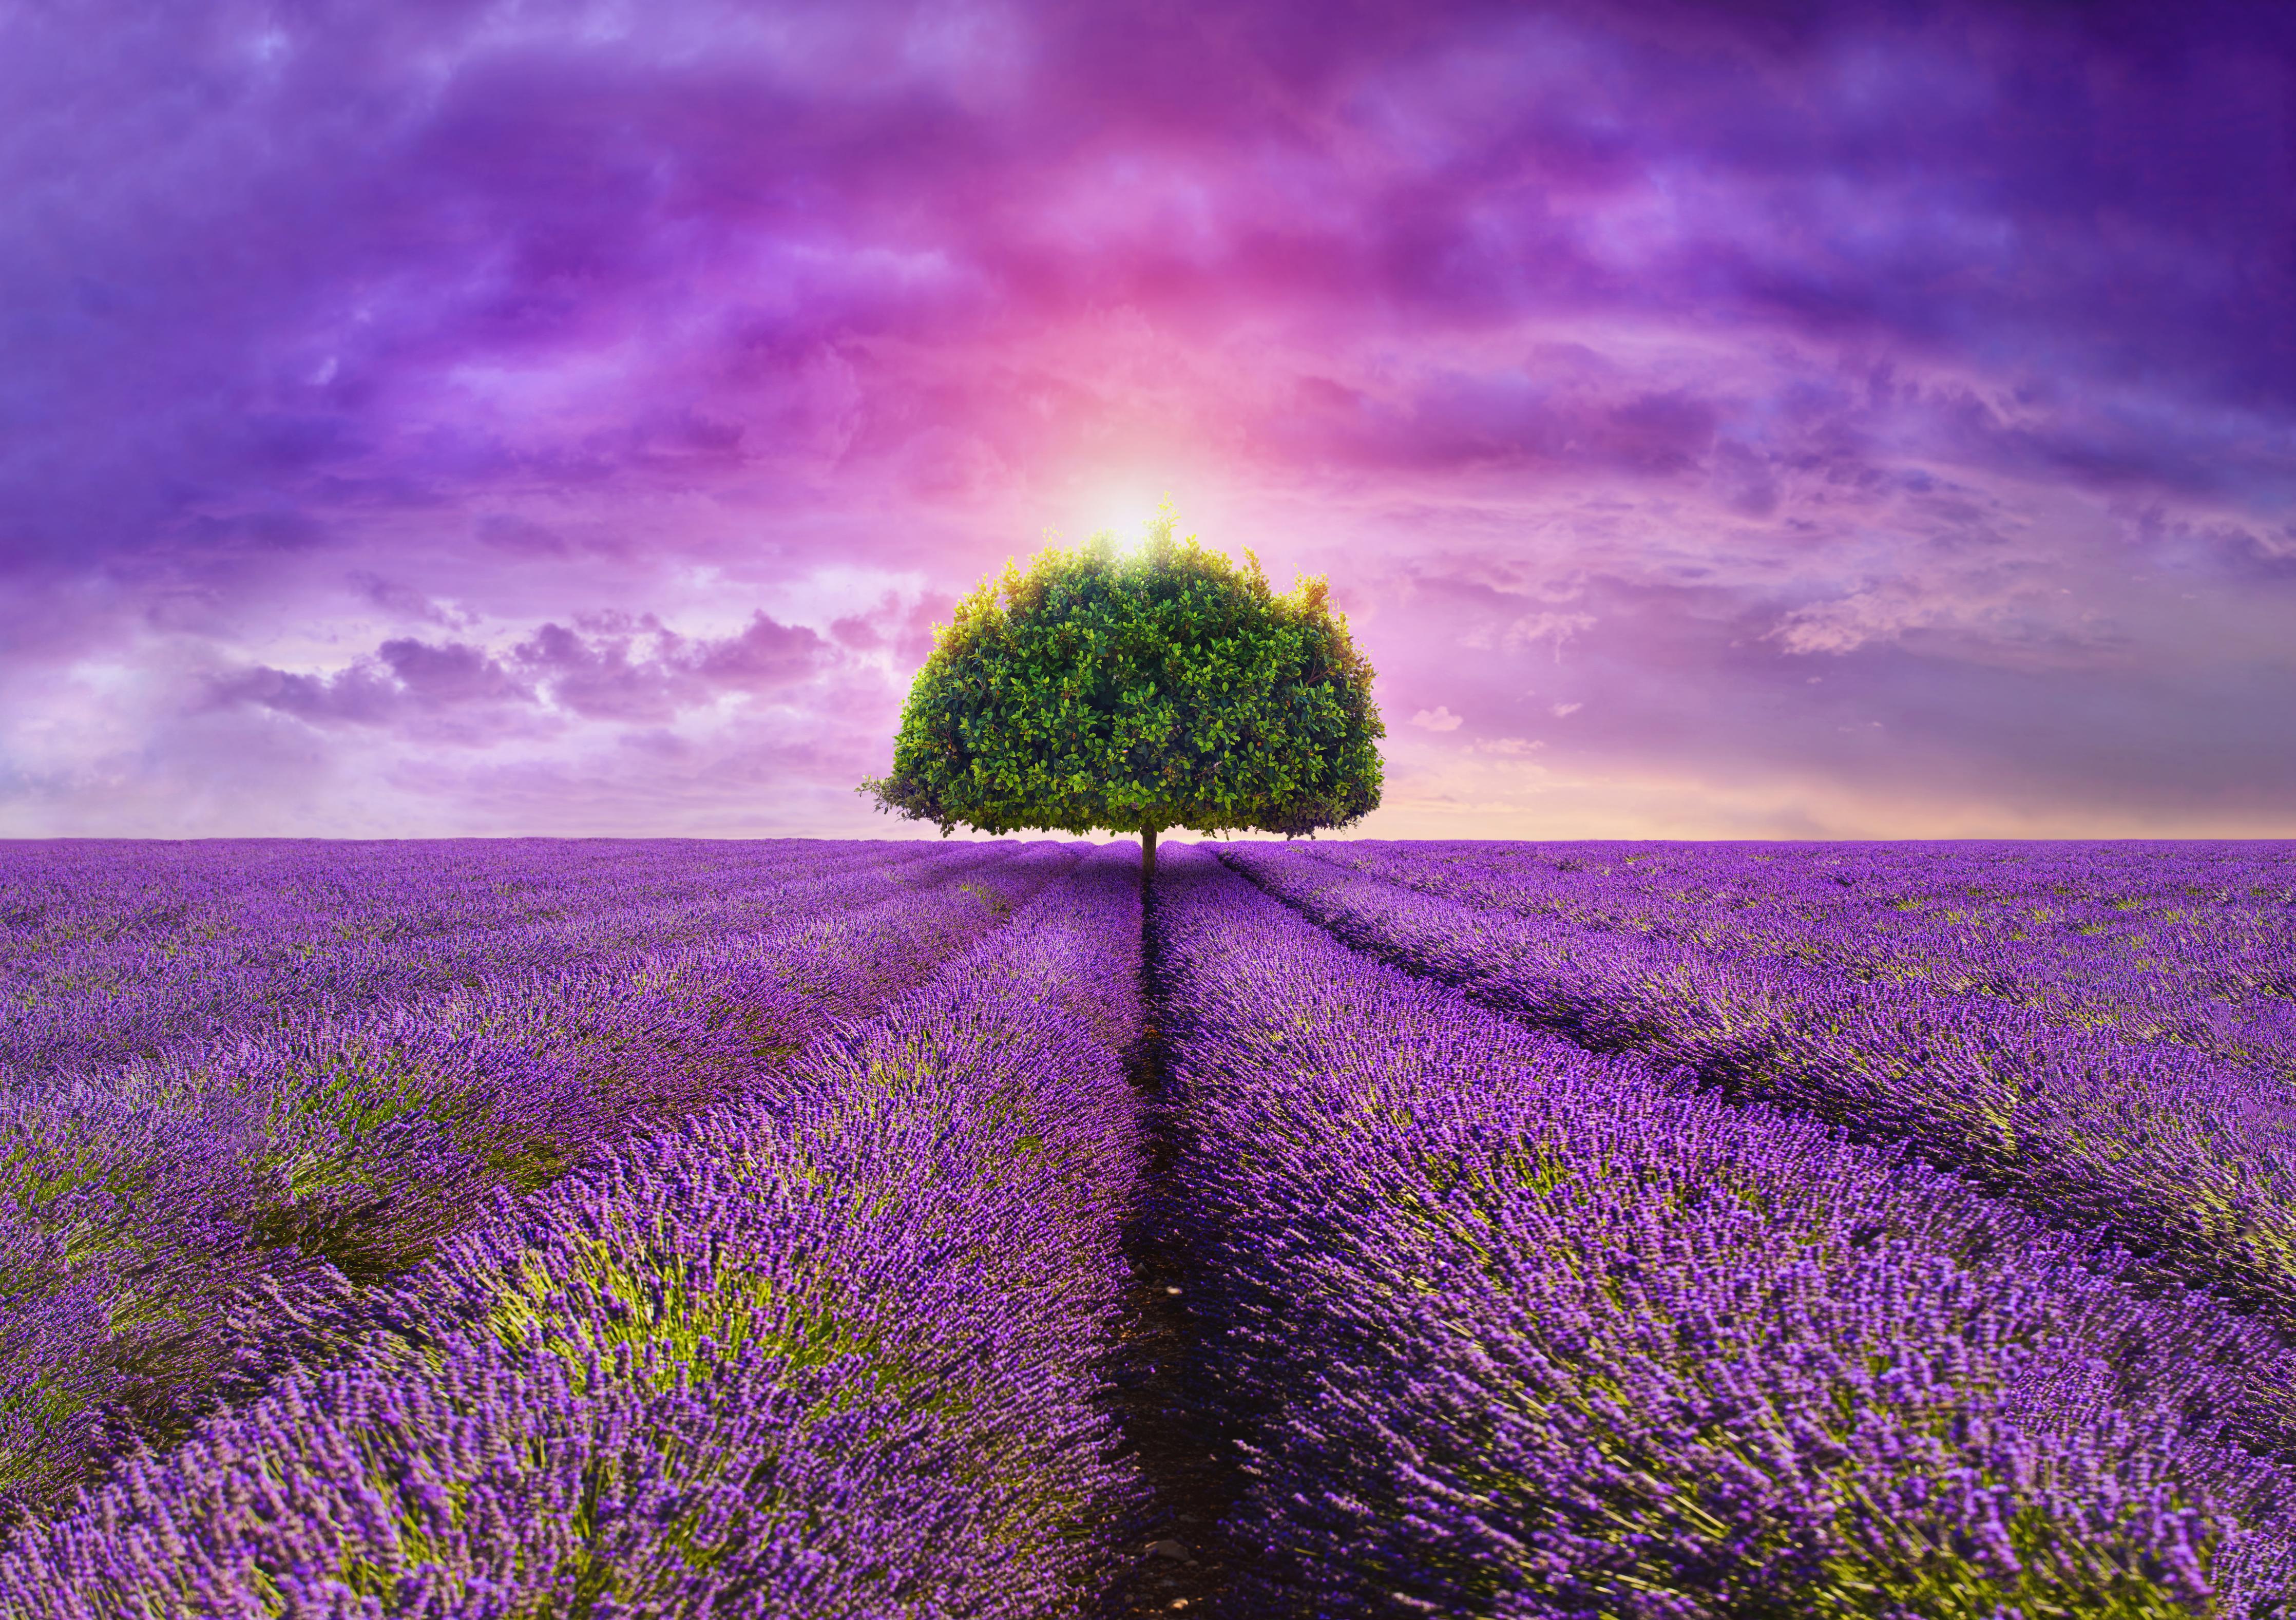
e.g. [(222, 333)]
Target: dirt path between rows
[(1163, 1396)]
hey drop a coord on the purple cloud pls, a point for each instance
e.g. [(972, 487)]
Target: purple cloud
[(406, 683), (606, 673), (598, 678), (763, 656), (1870, 418)]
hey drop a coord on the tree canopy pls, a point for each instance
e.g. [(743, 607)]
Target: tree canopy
[(1135, 692)]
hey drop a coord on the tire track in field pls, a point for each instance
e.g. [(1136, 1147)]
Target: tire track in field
[(1162, 1391)]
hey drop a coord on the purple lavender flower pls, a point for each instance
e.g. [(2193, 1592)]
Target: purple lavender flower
[(1512, 1329), (824, 1348), (198, 1217)]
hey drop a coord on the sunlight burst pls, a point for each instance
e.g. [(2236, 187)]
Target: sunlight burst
[(1124, 509)]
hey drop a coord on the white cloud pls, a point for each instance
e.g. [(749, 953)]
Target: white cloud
[(1437, 720), (1559, 628)]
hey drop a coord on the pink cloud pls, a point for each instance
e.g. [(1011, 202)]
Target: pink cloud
[(1675, 350)]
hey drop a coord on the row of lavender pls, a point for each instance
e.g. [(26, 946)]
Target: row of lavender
[(815, 1322), (815, 1351), (1508, 1328), (111, 951), (2192, 942), (2184, 1157), (174, 1230)]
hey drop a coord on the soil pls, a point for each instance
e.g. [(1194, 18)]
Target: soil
[(1162, 1399)]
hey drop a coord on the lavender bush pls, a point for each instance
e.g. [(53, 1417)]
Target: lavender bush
[(2192, 942), (2185, 1158), (115, 952), (1515, 1329), (1651, 1231), (165, 1224), (827, 1349)]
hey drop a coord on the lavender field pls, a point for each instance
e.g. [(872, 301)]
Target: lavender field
[(1660, 1232)]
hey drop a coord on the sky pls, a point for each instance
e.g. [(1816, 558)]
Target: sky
[(1785, 420)]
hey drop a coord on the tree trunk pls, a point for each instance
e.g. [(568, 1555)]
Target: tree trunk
[(1147, 858)]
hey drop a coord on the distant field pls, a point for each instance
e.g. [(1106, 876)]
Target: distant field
[(832, 1229)]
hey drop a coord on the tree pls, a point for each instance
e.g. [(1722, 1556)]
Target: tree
[(1166, 688)]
